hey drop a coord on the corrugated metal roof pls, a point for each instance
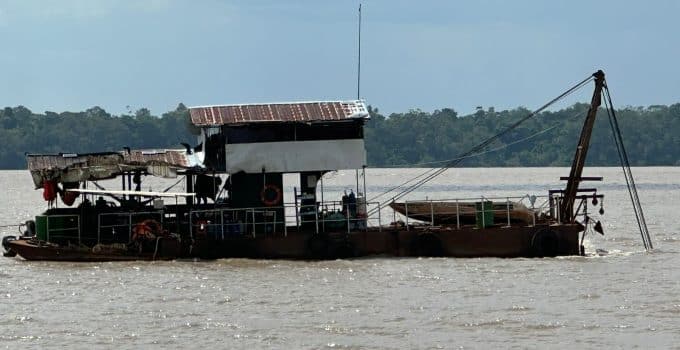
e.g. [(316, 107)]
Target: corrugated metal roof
[(176, 158), (166, 157), (277, 112), (66, 160), (96, 166)]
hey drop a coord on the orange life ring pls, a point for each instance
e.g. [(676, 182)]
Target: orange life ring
[(267, 199), (146, 230)]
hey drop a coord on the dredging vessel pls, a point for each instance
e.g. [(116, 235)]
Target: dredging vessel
[(234, 205)]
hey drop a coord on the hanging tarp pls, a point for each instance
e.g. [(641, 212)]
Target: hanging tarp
[(74, 168)]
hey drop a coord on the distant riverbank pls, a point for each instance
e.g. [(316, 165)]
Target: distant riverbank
[(411, 139)]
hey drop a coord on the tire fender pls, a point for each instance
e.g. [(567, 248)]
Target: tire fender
[(545, 243), (427, 244)]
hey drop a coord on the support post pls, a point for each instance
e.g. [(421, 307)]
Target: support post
[(457, 215), (365, 195), (483, 218), (99, 229), (406, 210), (507, 207), (431, 213), (379, 221)]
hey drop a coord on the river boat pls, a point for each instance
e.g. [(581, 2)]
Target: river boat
[(234, 206), (441, 212)]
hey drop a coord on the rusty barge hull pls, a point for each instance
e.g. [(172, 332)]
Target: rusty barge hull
[(32, 250), (466, 242), (424, 241)]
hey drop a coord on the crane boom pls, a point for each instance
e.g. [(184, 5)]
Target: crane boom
[(567, 205)]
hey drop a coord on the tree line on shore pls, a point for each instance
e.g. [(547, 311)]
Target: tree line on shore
[(414, 138)]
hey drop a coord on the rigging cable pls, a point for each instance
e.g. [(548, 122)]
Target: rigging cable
[(470, 156), (175, 184), (432, 174), (628, 174), (493, 149), (14, 225)]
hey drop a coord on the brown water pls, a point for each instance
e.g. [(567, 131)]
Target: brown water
[(626, 299)]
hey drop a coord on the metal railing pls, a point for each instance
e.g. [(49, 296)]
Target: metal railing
[(323, 217), (66, 224), (332, 216), (221, 223), (335, 216), (481, 211), (114, 227)]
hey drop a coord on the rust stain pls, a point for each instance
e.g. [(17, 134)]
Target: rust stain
[(277, 112)]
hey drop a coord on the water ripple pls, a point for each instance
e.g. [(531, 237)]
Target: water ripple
[(619, 297)]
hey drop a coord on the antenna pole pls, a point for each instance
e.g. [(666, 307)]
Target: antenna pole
[(359, 59)]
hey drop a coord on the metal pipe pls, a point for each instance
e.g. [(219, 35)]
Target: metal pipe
[(99, 229), (356, 175), (298, 217), (129, 177), (359, 58), (507, 205), (365, 195), (177, 216), (483, 218), (379, 221), (253, 212), (457, 215), (191, 224), (321, 180), (363, 173), (406, 210), (323, 219), (431, 213)]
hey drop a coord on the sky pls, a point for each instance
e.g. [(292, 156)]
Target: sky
[(70, 55)]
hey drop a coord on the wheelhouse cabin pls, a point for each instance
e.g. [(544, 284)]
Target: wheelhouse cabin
[(257, 144)]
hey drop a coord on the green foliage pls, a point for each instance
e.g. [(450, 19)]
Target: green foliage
[(414, 138), (93, 130), (651, 136)]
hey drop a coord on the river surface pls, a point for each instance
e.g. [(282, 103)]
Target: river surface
[(627, 298)]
